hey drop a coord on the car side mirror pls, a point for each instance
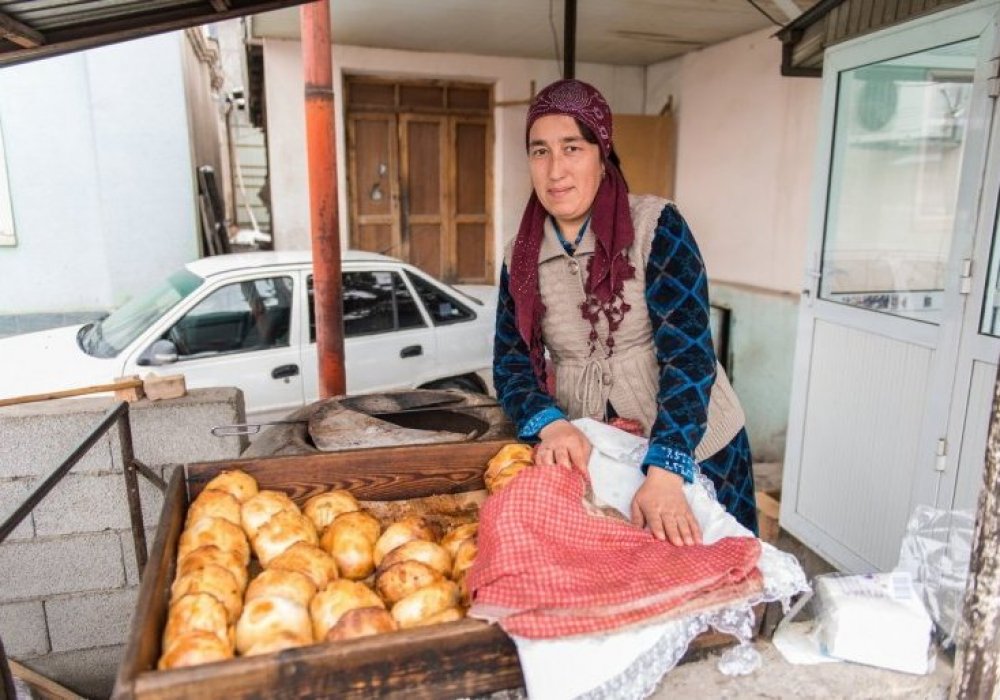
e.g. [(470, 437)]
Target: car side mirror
[(162, 352)]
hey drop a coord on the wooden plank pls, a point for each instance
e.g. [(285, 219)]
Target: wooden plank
[(79, 391), (902, 11), (889, 12), (865, 18), (143, 642), (878, 10), (170, 386), (854, 16), (458, 659), (19, 32), (768, 510), (843, 16), (830, 25), (384, 474), (41, 686)]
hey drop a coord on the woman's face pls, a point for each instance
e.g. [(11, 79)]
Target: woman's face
[(566, 170)]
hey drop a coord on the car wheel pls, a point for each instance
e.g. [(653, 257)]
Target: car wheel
[(463, 383)]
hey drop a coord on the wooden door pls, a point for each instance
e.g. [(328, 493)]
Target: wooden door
[(647, 146), (373, 183), (471, 256), (420, 174), (426, 233)]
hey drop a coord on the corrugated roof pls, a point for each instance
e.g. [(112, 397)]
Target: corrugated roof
[(39, 28), (830, 22)]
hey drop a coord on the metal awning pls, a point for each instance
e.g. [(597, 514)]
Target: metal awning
[(830, 22), (32, 29)]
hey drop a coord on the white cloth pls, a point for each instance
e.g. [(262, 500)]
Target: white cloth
[(630, 664)]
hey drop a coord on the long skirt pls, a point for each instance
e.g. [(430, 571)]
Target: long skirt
[(731, 470)]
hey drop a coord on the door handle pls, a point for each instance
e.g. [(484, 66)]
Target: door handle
[(411, 351), (284, 371)]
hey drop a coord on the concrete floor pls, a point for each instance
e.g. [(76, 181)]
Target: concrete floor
[(777, 678)]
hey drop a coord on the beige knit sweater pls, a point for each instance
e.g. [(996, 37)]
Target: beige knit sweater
[(629, 377)]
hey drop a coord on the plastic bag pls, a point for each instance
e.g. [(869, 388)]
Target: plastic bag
[(935, 552)]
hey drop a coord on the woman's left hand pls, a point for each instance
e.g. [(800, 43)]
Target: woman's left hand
[(660, 505)]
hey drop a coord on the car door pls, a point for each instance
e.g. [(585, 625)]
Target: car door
[(241, 332), (388, 340)]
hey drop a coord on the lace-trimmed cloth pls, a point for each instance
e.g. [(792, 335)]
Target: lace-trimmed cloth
[(549, 567)]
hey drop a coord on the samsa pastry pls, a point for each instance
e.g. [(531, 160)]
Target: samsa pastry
[(291, 585), (361, 622), (209, 555), (216, 532), (264, 618), (454, 538), (215, 580), (309, 560), (194, 648), (255, 512), (424, 603), (197, 611), (430, 553), (393, 583), (350, 540), (323, 508), (238, 484), (331, 603), (399, 533), (282, 531), (212, 503)]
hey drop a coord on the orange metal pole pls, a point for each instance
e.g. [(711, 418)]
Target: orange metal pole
[(317, 63)]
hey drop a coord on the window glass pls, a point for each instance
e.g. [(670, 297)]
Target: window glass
[(374, 302), (897, 155), (251, 315), (443, 307), (991, 306), (109, 337)]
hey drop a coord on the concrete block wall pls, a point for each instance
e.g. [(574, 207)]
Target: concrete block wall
[(68, 576)]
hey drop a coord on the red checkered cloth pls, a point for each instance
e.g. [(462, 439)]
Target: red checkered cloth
[(549, 567)]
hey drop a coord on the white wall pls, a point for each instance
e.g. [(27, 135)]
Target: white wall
[(746, 157), (622, 85), (747, 138), (100, 174)]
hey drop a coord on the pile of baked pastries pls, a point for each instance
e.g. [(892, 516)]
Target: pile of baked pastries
[(328, 571)]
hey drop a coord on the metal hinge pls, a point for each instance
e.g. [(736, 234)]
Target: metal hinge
[(941, 455), (993, 82), (965, 280)]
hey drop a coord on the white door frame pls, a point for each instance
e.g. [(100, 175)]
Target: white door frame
[(965, 22), (967, 429)]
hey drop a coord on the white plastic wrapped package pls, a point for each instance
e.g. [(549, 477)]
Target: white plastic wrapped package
[(630, 664), (874, 619)]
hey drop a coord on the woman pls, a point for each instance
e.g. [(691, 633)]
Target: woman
[(612, 287)]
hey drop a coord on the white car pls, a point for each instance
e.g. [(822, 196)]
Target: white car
[(246, 320)]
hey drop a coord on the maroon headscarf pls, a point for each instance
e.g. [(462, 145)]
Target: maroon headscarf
[(610, 220)]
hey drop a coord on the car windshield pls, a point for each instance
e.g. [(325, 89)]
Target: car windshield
[(109, 337)]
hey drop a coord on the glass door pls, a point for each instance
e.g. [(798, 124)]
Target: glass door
[(880, 323)]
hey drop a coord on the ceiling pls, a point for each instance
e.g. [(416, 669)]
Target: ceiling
[(625, 32)]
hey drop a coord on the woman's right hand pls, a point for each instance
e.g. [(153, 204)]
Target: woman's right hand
[(563, 444)]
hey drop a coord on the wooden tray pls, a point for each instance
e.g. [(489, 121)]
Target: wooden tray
[(457, 659)]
